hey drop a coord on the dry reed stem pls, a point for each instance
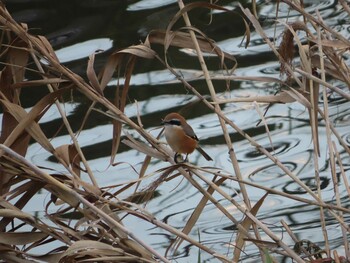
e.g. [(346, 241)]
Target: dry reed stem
[(295, 239), (150, 218), (323, 83), (329, 143), (280, 193), (214, 98), (66, 123), (345, 180), (218, 109)]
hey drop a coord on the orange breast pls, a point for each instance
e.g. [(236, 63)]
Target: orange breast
[(178, 141)]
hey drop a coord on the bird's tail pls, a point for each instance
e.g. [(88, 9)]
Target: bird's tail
[(206, 156)]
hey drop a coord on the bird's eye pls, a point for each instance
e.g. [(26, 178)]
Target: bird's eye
[(175, 122)]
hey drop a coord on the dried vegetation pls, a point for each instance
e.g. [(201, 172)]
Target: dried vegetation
[(99, 235)]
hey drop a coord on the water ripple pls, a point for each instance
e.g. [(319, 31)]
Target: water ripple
[(276, 148)]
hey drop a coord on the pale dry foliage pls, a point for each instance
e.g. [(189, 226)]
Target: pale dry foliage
[(99, 234)]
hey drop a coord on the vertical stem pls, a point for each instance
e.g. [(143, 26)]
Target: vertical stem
[(217, 106), (69, 129), (328, 133)]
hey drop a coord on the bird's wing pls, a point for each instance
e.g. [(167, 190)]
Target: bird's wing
[(189, 132)]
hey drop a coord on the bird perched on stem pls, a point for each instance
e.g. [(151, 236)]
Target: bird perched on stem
[(181, 137)]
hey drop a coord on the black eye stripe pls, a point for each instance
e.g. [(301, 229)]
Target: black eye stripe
[(175, 122)]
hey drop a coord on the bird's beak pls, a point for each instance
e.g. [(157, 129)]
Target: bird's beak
[(164, 122)]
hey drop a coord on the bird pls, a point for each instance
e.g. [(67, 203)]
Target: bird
[(181, 137)]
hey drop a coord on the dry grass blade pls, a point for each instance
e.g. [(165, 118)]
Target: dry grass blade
[(345, 5), (299, 96), (108, 71), (144, 148), (18, 60), (329, 67), (83, 248), (39, 82), (262, 33), (282, 97), (15, 214), (196, 214), (12, 74), (311, 77), (22, 194), (29, 120), (33, 128), (61, 190), (120, 99), (246, 224), (113, 223), (47, 46), (314, 19), (21, 238), (287, 53), (263, 120), (313, 113), (11, 256)]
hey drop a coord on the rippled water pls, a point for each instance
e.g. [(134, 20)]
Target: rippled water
[(77, 29)]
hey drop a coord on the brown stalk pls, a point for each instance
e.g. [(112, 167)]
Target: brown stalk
[(336, 190), (217, 107)]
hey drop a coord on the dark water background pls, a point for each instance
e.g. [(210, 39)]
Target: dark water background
[(78, 28)]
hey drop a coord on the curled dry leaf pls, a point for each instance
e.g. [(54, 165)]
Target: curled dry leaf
[(194, 5), (46, 44), (183, 40), (70, 156), (91, 74), (142, 51)]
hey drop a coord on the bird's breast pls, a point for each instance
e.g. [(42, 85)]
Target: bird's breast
[(178, 140)]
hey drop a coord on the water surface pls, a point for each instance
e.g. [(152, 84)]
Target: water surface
[(78, 28)]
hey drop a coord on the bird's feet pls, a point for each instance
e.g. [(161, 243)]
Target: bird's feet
[(178, 158)]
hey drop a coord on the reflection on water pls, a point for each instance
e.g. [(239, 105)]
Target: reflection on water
[(97, 25)]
